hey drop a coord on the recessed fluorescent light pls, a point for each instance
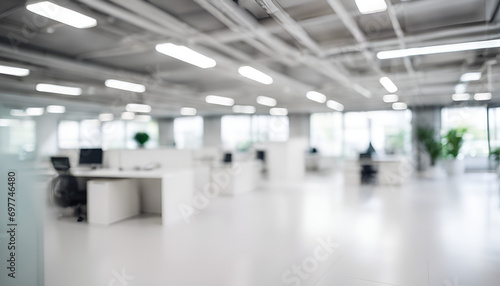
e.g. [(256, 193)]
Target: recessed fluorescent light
[(106, 116), (335, 105), (34, 111), (60, 89), (18, 112), (14, 71), (125, 85), (371, 6), (390, 98), (460, 97), (399, 106), (185, 54), (247, 109), (471, 76), (142, 118), (482, 96), (126, 115), (316, 96), (461, 88), (255, 74), (135, 107), (188, 111), (267, 101), (388, 84), (56, 109), (220, 100), (438, 49), (61, 14), (278, 111)]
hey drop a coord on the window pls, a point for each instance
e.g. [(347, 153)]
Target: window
[(240, 132), (68, 134), (270, 128), (494, 114), (388, 131), (18, 137), (151, 128), (188, 132), (90, 133), (113, 135), (116, 134), (326, 133), (475, 121), (236, 131)]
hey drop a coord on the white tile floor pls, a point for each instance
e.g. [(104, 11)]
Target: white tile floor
[(444, 232)]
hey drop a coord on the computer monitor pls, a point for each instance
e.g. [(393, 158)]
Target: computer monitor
[(261, 155), (91, 157), (61, 164), (228, 158)]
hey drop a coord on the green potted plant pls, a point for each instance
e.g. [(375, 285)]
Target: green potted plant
[(427, 138), (141, 138), (496, 156), (452, 143)]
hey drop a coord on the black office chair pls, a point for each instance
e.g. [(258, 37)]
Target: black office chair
[(368, 171), (64, 191)]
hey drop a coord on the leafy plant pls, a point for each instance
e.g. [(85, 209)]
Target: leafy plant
[(496, 155), (453, 141), (141, 138), (427, 138)]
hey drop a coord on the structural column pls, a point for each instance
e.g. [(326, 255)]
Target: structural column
[(212, 131), (166, 131), (300, 126)]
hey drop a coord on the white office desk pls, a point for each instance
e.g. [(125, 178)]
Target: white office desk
[(176, 186)]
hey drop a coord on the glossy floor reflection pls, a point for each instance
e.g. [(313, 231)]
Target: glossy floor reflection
[(319, 232)]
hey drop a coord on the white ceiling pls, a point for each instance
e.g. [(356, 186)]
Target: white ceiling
[(323, 45)]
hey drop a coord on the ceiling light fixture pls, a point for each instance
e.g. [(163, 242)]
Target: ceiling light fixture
[(335, 105), (371, 6), (142, 118), (316, 96), (255, 74), (60, 14), (482, 96), (34, 111), (125, 85), (17, 112), (60, 89), (106, 117), (399, 106), (246, 109), (56, 109), (267, 101), (460, 47), (277, 111), (188, 111), (460, 97), (388, 84), (126, 115), (471, 76), (220, 100), (185, 54), (136, 107), (14, 71), (390, 98)]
